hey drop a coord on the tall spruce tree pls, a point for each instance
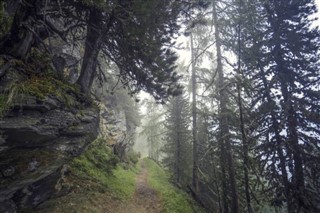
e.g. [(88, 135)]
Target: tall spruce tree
[(294, 49), (281, 55), (177, 148)]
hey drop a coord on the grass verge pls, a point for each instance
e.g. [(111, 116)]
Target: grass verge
[(174, 200)]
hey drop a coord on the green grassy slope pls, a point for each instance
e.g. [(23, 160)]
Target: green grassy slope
[(174, 200), (95, 183)]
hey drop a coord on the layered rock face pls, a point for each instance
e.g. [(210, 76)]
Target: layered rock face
[(38, 137)]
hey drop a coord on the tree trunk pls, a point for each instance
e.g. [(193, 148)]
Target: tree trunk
[(296, 199), (279, 145), (293, 141), (178, 157), (245, 145), (224, 124), (92, 49), (195, 173), (245, 149)]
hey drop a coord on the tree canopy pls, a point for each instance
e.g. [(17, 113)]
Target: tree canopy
[(136, 35)]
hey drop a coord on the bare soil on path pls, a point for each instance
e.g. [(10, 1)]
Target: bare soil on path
[(144, 200)]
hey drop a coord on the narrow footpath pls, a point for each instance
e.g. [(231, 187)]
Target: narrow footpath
[(145, 199)]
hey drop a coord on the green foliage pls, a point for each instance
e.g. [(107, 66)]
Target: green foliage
[(122, 183), (98, 163), (41, 86), (98, 155), (178, 146), (96, 181), (174, 200), (35, 77)]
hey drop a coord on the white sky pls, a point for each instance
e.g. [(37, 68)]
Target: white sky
[(318, 4), (318, 13)]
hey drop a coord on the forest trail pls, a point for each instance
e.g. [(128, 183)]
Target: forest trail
[(145, 199)]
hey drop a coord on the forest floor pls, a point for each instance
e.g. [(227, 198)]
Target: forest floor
[(144, 200)]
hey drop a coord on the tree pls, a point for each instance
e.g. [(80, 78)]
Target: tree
[(177, 147), (136, 35), (244, 139), (224, 140), (296, 68), (195, 175), (281, 57)]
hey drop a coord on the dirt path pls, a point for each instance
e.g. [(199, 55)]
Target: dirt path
[(145, 199)]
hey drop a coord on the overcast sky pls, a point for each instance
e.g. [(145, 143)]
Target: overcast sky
[(318, 14)]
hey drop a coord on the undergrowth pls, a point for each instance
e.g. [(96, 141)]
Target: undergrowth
[(99, 164)]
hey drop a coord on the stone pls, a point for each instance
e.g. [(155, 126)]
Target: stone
[(38, 137)]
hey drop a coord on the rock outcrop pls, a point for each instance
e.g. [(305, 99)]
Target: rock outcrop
[(38, 137)]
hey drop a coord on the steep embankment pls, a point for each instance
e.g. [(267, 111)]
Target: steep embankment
[(96, 184)]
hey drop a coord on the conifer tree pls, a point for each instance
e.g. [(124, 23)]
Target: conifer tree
[(281, 58), (135, 35), (177, 147)]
